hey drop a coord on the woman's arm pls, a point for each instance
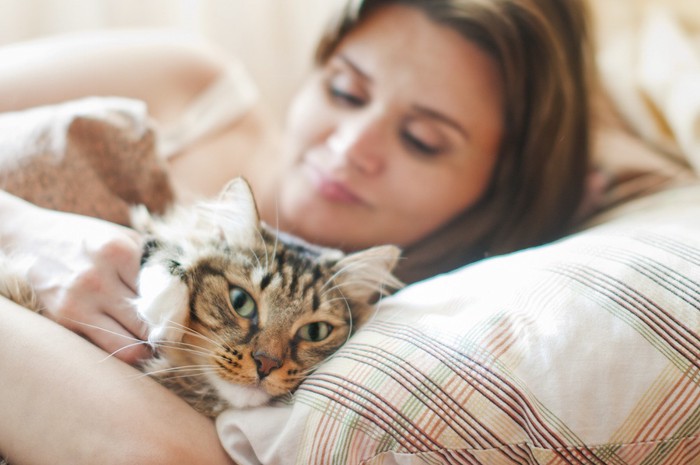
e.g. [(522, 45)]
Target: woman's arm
[(64, 401), (164, 69)]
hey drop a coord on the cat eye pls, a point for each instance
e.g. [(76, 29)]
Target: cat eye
[(243, 303), (315, 332)]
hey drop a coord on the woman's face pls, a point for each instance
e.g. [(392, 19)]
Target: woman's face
[(394, 136)]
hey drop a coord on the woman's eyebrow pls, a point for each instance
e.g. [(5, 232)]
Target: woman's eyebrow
[(429, 112), (353, 66), (441, 117)]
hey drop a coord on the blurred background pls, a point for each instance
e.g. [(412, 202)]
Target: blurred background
[(274, 38)]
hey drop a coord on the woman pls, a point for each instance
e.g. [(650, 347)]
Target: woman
[(454, 129)]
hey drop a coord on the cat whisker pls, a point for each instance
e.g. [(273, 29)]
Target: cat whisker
[(338, 288), (351, 320), (277, 239), (356, 282), (329, 290), (187, 330), (342, 298), (221, 342), (188, 347), (136, 341), (126, 347), (343, 270), (277, 232), (306, 372), (257, 259), (370, 281), (183, 347), (267, 254), (131, 338), (180, 368), (336, 299), (187, 376), (183, 371)]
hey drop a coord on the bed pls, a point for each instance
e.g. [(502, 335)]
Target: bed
[(585, 350)]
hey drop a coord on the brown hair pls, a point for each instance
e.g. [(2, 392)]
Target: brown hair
[(543, 51)]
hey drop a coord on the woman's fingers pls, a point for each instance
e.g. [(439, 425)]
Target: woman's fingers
[(128, 265), (119, 261), (115, 339), (127, 316), (85, 272), (115, 325)]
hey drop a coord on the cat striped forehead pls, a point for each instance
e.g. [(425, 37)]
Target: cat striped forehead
[(296, 249), (275, 257), (289, 260), (265, 249)]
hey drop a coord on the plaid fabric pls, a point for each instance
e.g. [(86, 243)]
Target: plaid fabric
[(586, 351)]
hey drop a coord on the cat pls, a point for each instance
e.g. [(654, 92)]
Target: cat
[(239, 313)]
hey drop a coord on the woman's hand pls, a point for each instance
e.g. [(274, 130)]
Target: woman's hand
[(84, 271)]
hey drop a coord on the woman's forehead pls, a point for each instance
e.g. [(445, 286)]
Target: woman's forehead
[(398, 49)]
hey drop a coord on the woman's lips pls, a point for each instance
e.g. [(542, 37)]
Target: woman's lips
[(333, 190)]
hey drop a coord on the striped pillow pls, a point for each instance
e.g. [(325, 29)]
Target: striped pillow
[(585, 351)]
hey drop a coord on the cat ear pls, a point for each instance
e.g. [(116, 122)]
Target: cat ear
[(236, 214), (162, 304), (363, 275)]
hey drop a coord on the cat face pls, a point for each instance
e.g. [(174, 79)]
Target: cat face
[(250, 310)]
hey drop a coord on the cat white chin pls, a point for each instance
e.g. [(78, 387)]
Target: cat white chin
[(240, 396)]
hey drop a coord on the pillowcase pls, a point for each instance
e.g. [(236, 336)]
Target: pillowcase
[(583, 351)]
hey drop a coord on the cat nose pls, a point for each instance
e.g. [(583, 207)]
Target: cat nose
[(265, 363)]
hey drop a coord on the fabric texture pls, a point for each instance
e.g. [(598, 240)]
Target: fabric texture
[(584, 351), (94, 156)]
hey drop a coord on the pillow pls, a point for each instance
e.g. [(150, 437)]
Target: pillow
[(105, 146), (582, 351)]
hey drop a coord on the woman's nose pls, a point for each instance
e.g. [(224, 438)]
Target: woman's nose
[(359, 144)]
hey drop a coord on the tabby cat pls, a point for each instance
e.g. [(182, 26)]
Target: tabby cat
[(238, 313)]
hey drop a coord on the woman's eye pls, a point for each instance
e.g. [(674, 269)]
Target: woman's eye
[(347, 98), (416, 144), (343, 87), (315, 332), (243, 303)]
